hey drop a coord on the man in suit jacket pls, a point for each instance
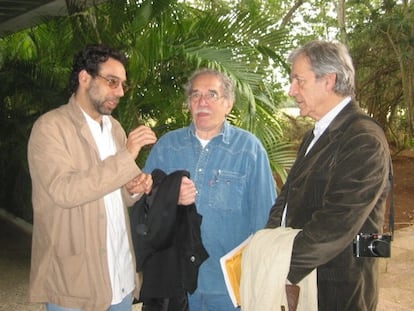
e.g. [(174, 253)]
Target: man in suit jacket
[(338, 186)]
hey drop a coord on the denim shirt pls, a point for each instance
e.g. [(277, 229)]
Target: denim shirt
[(235, 185)]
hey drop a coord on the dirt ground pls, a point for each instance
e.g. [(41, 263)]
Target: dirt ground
[(403, 190)]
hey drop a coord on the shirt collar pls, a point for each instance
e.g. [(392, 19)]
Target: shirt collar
[(93, 124), (224, 133), (322, 124)]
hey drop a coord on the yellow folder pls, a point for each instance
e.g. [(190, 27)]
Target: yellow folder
[(231, 267)]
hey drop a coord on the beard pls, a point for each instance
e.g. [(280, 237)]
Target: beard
[(103, 106)]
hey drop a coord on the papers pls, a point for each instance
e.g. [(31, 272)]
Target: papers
[(231, 267)]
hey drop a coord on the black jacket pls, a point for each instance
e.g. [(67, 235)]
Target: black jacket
[(167, 239)]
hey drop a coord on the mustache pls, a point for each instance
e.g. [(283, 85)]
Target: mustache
[(113, 99)]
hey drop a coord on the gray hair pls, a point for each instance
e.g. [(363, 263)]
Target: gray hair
[(329, 57), (227, 84)]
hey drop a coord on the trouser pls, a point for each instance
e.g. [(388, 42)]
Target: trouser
[(211, 302), (179, 303)]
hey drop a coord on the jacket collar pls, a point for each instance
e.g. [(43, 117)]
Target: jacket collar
[(76, 114), (338, 125)]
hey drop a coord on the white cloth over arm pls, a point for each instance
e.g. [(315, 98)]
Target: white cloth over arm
[(265, 266)]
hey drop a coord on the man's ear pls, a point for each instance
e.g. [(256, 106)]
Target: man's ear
[(84, 77), (330, 81), (229, 106)]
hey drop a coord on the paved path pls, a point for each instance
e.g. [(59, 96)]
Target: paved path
[(397, 274), (396, 278), (14, 268), (15, 248)]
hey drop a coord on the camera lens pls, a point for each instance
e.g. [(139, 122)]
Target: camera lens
[(380, 248)]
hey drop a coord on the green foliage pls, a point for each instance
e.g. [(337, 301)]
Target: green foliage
[(382, 47), (165, 41)]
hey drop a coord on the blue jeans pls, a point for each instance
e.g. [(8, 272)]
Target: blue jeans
[(211, 302), (124, 305)]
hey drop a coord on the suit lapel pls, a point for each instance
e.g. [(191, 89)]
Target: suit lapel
[(335, 129)]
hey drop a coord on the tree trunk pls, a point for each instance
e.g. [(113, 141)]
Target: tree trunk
[(341, 21)]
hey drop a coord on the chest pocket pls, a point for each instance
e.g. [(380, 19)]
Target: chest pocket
[(226, 190)]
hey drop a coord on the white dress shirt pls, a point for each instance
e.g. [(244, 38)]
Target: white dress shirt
[(120, 265), (322, 124)]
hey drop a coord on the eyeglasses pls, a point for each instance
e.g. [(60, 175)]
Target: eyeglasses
[(113, 83), (209, 97)]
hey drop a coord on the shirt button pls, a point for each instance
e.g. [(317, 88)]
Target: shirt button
[(192, 258)]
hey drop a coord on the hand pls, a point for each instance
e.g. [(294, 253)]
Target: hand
[(140, 184), (292, 296), (138, 138), (188, 192)]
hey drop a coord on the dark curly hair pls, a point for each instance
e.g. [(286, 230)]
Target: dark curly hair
[(89, 59)]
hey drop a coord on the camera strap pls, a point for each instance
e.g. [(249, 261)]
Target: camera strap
[(391, 191), (391, 215)]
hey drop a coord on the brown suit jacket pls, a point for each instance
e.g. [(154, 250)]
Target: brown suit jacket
[(336, 191)]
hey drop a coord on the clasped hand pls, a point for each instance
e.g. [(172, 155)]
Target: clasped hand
[(140, 184), (188, 192), (143, 184)]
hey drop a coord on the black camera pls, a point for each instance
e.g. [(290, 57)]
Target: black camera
[(372, 245)]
